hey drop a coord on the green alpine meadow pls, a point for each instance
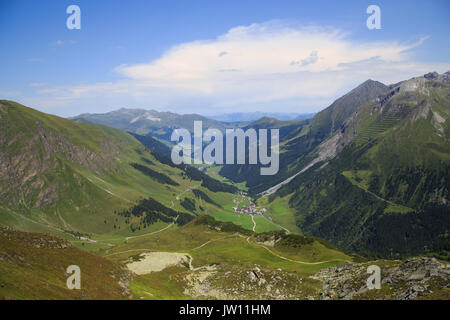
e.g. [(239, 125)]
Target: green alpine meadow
[(230, 150)]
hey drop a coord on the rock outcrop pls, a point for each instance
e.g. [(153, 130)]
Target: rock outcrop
[(410, 279)]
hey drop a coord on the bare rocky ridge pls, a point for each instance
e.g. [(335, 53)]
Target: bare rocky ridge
[(410, 279), (418, 278)]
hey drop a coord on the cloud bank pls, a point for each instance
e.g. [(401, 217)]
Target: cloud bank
[(265, 67)]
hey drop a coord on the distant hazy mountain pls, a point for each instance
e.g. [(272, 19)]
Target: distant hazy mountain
[(252, 116), (149, 122), (161, 124)]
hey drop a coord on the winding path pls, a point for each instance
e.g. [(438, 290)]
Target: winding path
[(291, 260), (276, 224), (248, 241), (254, 223), (187, 189), (150, 233), (213, 240), (37, 222)]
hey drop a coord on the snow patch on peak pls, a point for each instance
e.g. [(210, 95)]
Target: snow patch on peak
[(147, 116)]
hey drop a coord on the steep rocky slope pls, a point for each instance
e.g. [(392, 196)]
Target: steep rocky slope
[(299, 139), (382, 187), (36, 148)]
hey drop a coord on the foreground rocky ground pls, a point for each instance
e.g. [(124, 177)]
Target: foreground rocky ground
[(33, 266), (418, 278)]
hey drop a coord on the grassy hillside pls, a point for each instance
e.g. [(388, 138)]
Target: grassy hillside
[(298, 139), (207, 259), (33, 266), (75, 179), (222, 254), (386, 193)]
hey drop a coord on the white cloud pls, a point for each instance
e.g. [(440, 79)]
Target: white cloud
[(252, 67), (313, 57)]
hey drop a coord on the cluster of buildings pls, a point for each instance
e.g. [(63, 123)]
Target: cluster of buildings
[(250, 209)]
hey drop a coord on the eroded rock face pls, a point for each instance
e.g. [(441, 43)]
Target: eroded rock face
[(410, 279), (29, 156)]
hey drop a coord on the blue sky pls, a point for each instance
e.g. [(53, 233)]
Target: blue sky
[(212, 57)]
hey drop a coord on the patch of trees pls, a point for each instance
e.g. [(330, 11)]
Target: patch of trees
[(201, 195), (161, 178), (421, 184), (151, 211), (153, 144), (192, 173), (283, 239), (164, 159), (270, 235), (188, 204), (147, 161), (219, 225), (217, 186), (211, 184), (295, 241), (196, 175), (400, 235), (184, 218)]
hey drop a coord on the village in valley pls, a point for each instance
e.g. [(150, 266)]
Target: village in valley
[(246, 205)]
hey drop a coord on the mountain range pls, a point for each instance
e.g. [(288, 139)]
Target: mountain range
[(252, 116), (365, 181), (385, 146), (370, 172), (150, 122)]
